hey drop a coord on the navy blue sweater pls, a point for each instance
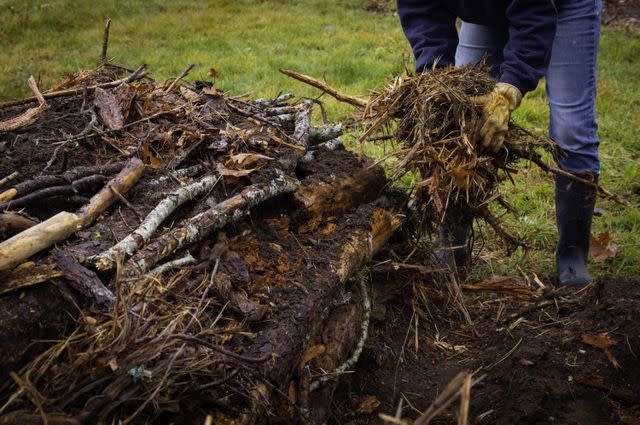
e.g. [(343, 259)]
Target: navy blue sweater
[(531, 24)]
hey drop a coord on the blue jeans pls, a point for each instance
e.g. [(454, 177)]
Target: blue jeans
[(570, 78)]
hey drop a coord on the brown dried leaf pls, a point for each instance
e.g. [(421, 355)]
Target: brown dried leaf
[(602, 341), (368, 405), (227, 172), (243, 160), (313, 352), (602, 248)]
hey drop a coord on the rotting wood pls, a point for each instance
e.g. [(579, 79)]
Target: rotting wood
[(12, 223), (285, 338), (27, 274), (130, 244), (30, 115), (201, 225), (84, 280), (335, 197)]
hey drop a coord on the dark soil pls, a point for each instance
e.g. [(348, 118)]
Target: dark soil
[(623, 11), (536, 370)]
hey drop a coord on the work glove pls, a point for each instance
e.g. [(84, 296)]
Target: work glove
[(496, 110)]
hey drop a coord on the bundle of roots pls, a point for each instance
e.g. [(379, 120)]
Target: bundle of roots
[(435, 120)]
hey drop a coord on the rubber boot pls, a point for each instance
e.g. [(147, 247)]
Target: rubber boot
[(574, 211), (453, 248)]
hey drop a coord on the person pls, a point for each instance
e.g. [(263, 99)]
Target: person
[(523, 41)]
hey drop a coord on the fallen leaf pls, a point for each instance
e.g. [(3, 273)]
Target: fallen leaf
[(211, 91), (601, 248), (243, 160), (604, 342), (526, 362), (224, 171), (368, 405), (313, 352)]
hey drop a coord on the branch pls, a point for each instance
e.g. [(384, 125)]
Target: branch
[(352, 100), (130, 244), (30, 115), (201, 225), (71, 92)]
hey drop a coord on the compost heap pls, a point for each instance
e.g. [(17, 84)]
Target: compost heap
[(172, 253), (202, 242)]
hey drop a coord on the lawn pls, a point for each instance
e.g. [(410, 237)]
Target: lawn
[(355, 50)]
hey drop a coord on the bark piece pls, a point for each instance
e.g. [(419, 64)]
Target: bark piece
[(84, 280), (109, 109)]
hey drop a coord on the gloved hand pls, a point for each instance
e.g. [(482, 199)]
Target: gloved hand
[(496, 109)]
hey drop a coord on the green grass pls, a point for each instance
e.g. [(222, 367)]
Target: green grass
[(356, 51)]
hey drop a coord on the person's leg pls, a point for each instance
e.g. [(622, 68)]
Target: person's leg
[(476, 42), (571, 89)]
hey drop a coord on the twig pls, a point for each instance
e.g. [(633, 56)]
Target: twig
[(537, 159), (353, 100), (180, 262), (105, 41), (70, 92), (9, 178), (180, 77), (505, 356), (30, 115)]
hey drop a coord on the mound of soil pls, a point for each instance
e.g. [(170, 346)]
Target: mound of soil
[(537, 358)]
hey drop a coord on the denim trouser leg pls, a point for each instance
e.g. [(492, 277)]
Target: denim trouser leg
[(479, 41), (571, 84), (570, 79)]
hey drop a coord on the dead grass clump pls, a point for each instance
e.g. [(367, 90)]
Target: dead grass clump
[(433, 117)]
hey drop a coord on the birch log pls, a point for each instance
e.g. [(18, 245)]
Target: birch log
[(130, 244), (201, 225)]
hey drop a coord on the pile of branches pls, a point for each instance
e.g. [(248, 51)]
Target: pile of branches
[(195, 305)]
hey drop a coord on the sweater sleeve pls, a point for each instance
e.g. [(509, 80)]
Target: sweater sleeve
[(532, 27), (431, 31)]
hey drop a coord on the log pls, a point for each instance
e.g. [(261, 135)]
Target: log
[(59, 227), (130, 244), (201, 225), (41, 236), (286, 335)]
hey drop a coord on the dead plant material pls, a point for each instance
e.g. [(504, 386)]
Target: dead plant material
[(432, 116)]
